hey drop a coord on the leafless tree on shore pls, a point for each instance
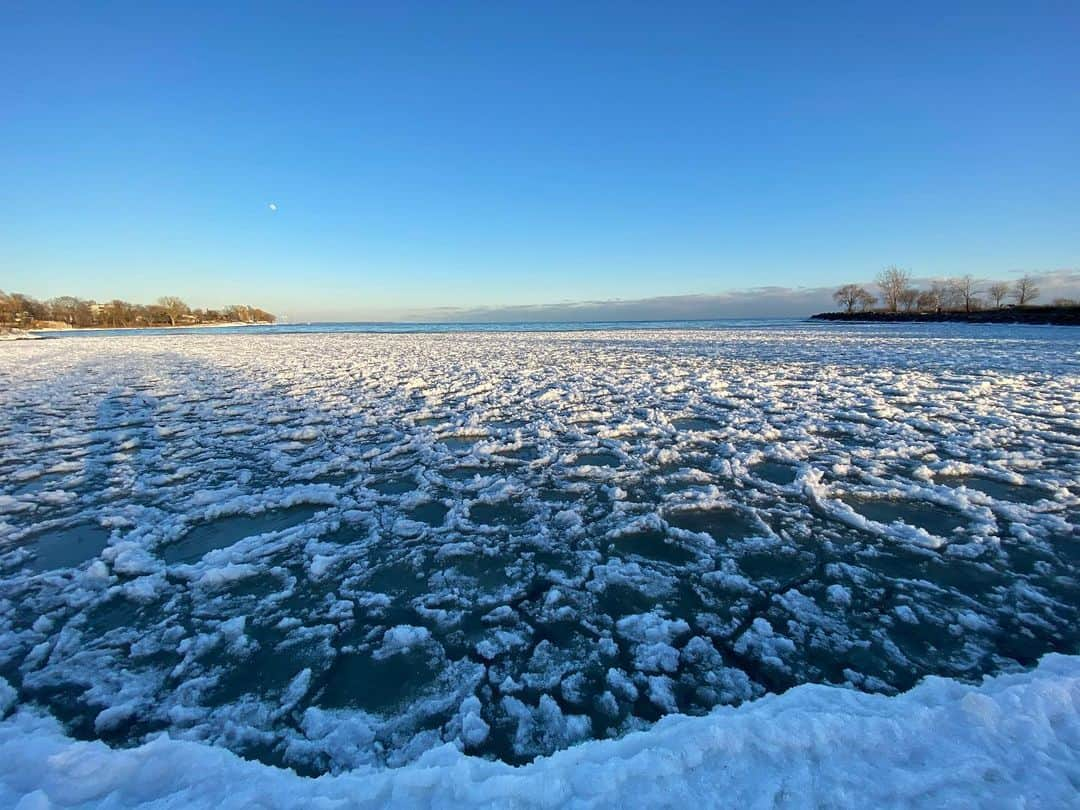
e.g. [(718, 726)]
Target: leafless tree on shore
[(1025, 291), (998, 291), (851, 296), (173, 307), (893, 281), (965, 292)]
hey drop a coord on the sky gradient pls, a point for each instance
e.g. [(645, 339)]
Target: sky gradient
[(463, 157)]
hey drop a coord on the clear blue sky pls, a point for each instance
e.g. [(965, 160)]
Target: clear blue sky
[(459, 154)]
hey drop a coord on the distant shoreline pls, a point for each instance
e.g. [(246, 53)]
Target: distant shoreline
[(215, 324), (1053, 316)]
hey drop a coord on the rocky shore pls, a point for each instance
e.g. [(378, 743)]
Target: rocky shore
[(1061, 316)]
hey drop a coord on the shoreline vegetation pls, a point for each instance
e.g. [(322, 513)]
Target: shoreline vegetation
[(23, 313), (963, 299), (1046, 315)]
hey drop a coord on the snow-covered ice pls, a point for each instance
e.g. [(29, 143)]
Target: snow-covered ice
[(1014, 741), (332, 552)]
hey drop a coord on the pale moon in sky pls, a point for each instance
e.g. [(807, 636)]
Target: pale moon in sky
[(272, 206)]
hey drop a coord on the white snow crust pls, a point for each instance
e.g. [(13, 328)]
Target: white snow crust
[(1014, 741)]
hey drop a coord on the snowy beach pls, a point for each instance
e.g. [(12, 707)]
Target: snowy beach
[(552, 569)]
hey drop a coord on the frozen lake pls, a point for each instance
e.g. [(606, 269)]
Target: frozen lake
[(330, 549)]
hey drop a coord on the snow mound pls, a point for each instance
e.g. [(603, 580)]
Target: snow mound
[(1013, 740)]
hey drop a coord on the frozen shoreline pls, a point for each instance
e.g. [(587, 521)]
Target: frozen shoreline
[(145, 328), (1015, 739), (1032, 315), (8, 333)]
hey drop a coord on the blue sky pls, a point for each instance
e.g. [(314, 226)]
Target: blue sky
[(459, 155)]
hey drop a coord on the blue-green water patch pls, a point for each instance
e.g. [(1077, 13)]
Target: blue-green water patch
[(68, 547), (206, 537)]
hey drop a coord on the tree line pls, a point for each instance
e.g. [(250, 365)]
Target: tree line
[(27, 312), (960, 294)]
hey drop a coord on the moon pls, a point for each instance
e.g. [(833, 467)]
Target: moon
[(272, 206)]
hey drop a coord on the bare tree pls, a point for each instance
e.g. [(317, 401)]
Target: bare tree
[(893, 281), (262, 316), (240, 313), (998, 292), (928, 301), (22, 310), (964, 292), (26, 309), (947, 295), (172, 307), (1025, 291), (7, 308), (118, 313), (849, 296), (908, 298), (65, 308)]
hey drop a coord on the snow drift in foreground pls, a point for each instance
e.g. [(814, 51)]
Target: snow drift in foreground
[(1013, 740)]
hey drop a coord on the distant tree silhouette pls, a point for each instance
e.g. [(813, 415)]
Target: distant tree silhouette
[(958, 294), (72, 311), (908, 299), (172, 307), (853, 295), (118, 313), (1025, 291), (21, 310), (998, 291), (7, 308), (928, 300), (964, 292), (893, 281)]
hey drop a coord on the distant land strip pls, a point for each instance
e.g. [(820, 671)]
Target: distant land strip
[(18, 311), (1057, 316)]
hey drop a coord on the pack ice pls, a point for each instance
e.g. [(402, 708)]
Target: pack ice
[(416, 563)]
